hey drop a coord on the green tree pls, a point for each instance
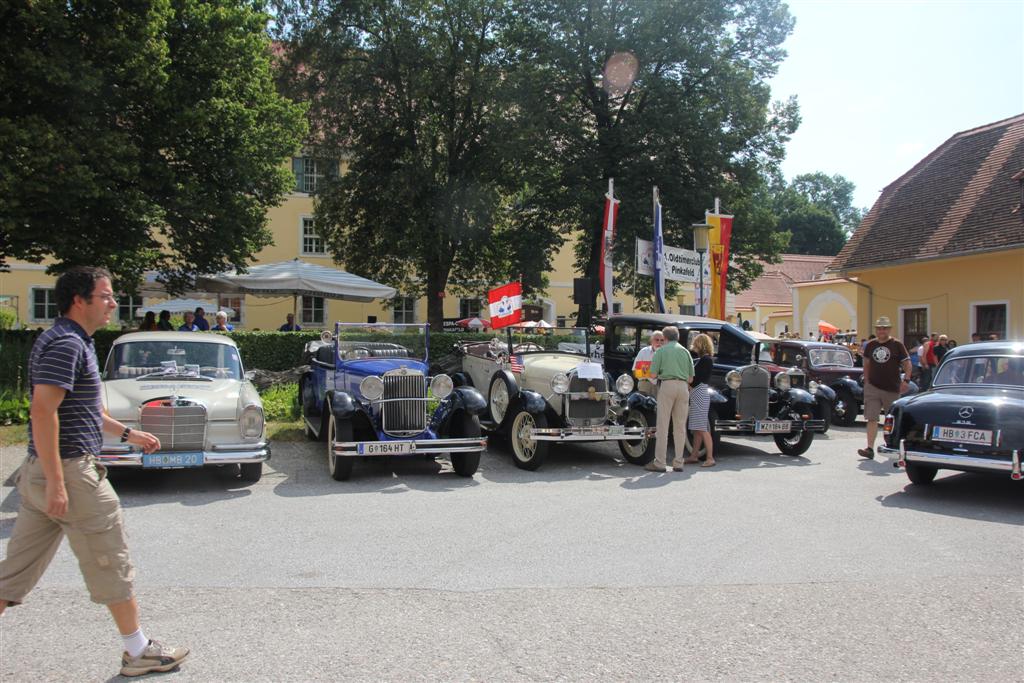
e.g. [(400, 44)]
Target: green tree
[(834, 194), (419, 98), (144, 134), (672, 94), (817, 211)]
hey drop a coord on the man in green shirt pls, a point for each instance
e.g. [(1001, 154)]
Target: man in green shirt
[(672, 366)]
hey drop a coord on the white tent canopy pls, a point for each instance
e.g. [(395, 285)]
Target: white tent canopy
[(296, 278), (182, 305)]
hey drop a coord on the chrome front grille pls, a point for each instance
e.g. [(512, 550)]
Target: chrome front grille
[(587, 409), (404, 404), (752, 396), (180, 426)]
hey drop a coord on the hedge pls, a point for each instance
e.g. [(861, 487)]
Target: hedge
[(263, 350)]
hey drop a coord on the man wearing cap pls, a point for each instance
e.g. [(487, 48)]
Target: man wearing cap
[(884, 359)]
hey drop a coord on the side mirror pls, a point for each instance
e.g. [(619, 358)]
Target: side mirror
[(250, 375)]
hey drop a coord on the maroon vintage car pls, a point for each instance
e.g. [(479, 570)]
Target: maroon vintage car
[(830, 365)]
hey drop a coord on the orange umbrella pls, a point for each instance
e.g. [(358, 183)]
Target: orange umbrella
[(827, 328)]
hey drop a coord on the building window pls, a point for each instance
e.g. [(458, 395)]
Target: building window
[(560, 321), (312, 243), (310, 173), (405, 309), (232, 302), (687, 309), (469, 308), (990, 319), (616, 307), (915, 326), (128, 308), (44, 304), (312, 310)]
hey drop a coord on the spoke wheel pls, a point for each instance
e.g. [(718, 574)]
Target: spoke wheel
[(499, 400), (528, 453), (638, 451)]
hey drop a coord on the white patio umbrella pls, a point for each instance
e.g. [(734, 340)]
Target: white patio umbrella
[(296, 278)]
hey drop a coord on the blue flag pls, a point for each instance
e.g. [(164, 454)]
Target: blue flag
[(659, 257)]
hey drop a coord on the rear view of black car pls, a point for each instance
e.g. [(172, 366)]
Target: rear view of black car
[(971, 420)]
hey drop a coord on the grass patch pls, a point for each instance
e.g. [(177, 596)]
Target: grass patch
[(286, 431), (13, 434)]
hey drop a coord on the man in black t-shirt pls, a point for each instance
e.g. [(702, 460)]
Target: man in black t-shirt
[(884, 358)]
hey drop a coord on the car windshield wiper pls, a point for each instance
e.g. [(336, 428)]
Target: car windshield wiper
[(174, 375)]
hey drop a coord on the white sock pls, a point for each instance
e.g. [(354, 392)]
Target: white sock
[(135, 643)]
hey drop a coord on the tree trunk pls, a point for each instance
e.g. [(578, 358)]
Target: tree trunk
[(437, 280), (584, 314)]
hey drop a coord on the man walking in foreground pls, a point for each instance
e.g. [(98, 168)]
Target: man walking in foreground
[(672, 366), (63, 490), (884, 359)]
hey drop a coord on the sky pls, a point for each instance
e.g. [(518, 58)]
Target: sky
[(881, 84)]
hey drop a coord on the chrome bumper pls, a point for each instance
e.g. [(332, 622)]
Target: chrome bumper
[(224, 454), (603, 433), (460, 445), (748, 426), (901, 456)]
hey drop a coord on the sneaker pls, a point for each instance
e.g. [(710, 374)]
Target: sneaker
[(156, 657), (651, 467), (677, 468), (866, 453)]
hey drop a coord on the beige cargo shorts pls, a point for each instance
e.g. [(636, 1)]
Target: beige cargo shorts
[(93, 525), (877, 401)]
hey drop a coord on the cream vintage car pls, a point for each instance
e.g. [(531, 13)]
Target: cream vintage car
[(189, 389)]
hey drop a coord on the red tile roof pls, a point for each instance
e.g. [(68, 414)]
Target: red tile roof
[(960, 199), (773, 286)]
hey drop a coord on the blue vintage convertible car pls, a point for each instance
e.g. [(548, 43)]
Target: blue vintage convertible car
[(971, 420), (369, 397)]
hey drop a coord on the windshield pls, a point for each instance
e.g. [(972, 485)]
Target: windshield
[(1007, 370), (173, 359), (840, 357)]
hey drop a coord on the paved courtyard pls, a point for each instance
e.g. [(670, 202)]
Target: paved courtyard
[(766, 567)]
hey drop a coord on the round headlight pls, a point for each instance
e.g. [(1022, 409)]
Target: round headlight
[(624, 384), (812, 387), (560, 383), (733, 379), (441, 386), (782, 381), (326, 336), (251, 423), (372, 387)]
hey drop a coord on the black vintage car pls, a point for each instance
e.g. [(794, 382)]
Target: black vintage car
[(749, 393), (971, 420), (830, 365)]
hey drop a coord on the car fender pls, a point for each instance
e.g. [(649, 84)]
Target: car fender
[(461, 400), (533, 402), (826, 393), (638, 401), (850, 385), (342, 405), (799, 397)]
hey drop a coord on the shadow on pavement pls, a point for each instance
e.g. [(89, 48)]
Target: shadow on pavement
[(300, 470), (970, 495)]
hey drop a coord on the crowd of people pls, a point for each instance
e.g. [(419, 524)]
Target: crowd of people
[(195, 321)]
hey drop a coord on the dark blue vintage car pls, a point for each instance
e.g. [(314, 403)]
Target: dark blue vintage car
[(971, 420), (749, 394), (369, 397)]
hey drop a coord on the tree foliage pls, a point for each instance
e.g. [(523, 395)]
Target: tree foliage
[(419, 98), (817, 212), (672, 94), (140, 135)]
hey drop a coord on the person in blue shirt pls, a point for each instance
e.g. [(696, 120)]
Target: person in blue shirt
[(201, 323), (290, 325), (221, 323), (189, 325)]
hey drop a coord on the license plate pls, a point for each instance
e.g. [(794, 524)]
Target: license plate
[(172, 460), (616, 430), (962, 435), (386, 448), (772, 427)]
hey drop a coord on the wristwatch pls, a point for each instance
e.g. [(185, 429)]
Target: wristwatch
[(125, 433)]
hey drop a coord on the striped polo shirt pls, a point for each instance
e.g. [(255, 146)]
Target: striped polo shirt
[(64, 356)]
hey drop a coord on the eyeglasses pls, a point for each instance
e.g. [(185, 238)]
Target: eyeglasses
[(106, 297)]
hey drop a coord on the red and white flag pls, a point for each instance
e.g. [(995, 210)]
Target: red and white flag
[(506, 305), (611, 214)]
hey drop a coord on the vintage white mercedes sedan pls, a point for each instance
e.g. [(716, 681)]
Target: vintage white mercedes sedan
[(189, 390)]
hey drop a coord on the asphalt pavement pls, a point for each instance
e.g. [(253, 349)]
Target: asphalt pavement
[(765, 567)]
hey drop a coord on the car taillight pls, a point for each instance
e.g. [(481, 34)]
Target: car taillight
[(889, 421)]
